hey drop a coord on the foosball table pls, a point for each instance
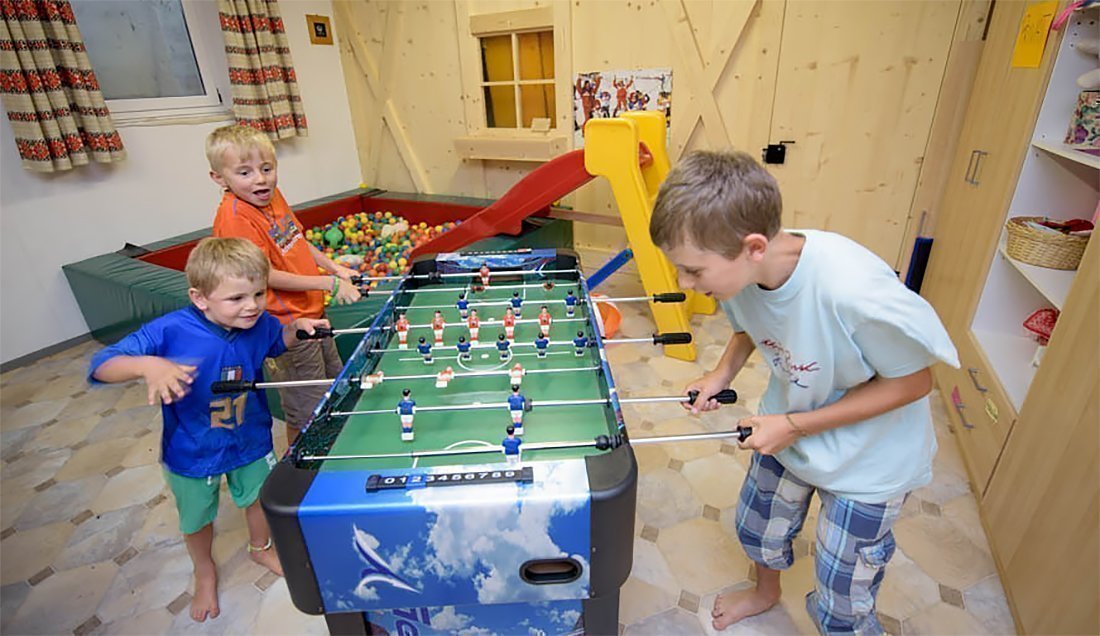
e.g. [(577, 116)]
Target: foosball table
[(469, 468)]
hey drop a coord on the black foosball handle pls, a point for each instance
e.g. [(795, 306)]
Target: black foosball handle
[(233, 386), (318, 333), (670, 297), (674, 338), (725, 396)]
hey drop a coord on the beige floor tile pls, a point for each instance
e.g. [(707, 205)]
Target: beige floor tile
[(941, 550), (130, 487), (161, 527), (13, 393), (95, 459), (94, 401), (154, 621), (61, 387), (145, 451), (618, 356), (674, 621), (32, 469), (61, 435), (665, 499), (638, 600), (149, 581), (906, 589), (942, 620), (60, 502), (685, 425), (27, 553), (134, 395), (962, 512), (702, 556), (777, 620), (239, 609), (986, 602), (716, 479), (678, 371), (11, 597), (650, 457), (33, 414), (77, 591), (126, 424), (279, 616), (651, 567), (101, 538)]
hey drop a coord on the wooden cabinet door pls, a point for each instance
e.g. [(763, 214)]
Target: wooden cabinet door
[(1043, 502), (999, 121)]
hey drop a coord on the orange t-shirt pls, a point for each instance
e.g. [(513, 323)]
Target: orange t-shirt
[(278, 232)]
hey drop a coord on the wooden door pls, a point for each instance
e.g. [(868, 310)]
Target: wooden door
[(1043, 503), (856, 92)]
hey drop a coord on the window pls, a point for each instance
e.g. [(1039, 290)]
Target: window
[(518, 78), (156, 57)]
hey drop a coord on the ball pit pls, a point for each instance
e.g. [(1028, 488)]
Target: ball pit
[(375, 244)]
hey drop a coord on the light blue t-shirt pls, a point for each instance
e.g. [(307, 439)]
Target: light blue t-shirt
[(842, 318)]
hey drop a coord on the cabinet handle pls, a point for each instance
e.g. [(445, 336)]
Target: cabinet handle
[(956, 401), (969, 167), (977, 166), (974, 379)]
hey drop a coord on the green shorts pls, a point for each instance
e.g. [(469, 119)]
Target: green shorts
[(197, 497)]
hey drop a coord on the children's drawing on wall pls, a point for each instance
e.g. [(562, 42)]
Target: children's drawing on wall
[(602, 94)]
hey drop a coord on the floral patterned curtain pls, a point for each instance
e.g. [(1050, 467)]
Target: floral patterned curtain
[(49, 89), (261, 72)]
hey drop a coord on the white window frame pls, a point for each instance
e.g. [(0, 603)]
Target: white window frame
[(204, 29)]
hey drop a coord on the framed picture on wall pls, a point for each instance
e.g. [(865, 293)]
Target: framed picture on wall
[(320, 29)]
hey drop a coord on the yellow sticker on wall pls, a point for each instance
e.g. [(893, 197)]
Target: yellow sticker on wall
[(1032, 38), (991, 410)]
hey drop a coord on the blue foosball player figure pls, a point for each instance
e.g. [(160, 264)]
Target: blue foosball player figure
[(570, 303), (510, 446), (463, 305), (517, 304), (541, 344), (503, 346), (580, 342), (463, 348), (406, 408), (517, 403), (425, 350)]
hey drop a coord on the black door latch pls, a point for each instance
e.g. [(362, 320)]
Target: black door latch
[(776, 153)]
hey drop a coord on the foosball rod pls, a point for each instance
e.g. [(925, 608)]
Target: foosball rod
[(674, 338), (324, 332), (471, 274), (727, 396), (548, 286), (603, 442), (239, 386), (670, 297)]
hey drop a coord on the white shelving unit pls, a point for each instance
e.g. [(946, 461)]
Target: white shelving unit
[(1056, 181)]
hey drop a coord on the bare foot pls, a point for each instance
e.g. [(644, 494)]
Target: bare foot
[(734, 606), (267, 558), (205, 602)]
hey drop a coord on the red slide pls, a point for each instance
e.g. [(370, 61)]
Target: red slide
[(536, 191)]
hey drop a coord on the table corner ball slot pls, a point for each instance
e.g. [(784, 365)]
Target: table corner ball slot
[(550, 571)]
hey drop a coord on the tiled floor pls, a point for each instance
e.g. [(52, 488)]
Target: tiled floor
[(90, 545)]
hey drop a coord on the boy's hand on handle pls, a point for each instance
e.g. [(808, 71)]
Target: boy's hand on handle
[(167, 380), (770, 434), (347, 292), (708, 385), (309, 326), (346, 273)]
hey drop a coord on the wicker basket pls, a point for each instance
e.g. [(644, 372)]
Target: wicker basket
[(1045, 249)]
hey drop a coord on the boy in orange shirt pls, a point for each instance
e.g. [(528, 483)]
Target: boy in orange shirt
[(242, 161)]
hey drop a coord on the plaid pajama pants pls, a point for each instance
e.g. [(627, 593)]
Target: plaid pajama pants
[(854, 543)]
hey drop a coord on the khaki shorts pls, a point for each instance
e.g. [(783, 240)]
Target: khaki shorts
[(305, 360)]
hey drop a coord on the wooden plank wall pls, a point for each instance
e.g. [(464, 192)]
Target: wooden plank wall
[(856, 82)]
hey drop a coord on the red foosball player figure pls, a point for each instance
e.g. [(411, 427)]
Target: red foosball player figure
[(516, 373), (545, 320), (437, 327), (474, 323), (510, 324), (402, 329), (484, 274), (444, 377), (371, 380), (510, 446), (406, 408)]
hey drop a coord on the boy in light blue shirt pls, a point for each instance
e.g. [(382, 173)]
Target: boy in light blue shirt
[(846, 410)]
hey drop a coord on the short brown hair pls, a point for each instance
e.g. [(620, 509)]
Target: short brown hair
[(215, 259), (243, 138), (715, 200)]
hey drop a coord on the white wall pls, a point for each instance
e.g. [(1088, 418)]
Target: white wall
[(160, 190)]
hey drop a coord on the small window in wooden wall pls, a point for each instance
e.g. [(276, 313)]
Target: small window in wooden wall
[(518, 78)]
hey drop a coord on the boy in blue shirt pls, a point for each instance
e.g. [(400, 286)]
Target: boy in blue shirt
[(224, 335), (846, 412)]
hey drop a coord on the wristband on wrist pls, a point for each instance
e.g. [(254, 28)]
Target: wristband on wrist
[(798, 429), (335, 284)]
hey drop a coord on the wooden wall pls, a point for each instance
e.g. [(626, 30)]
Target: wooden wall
[(854, 84)]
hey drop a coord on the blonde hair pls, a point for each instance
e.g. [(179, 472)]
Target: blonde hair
[(714, 200), (215, 259), (242, 138)]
